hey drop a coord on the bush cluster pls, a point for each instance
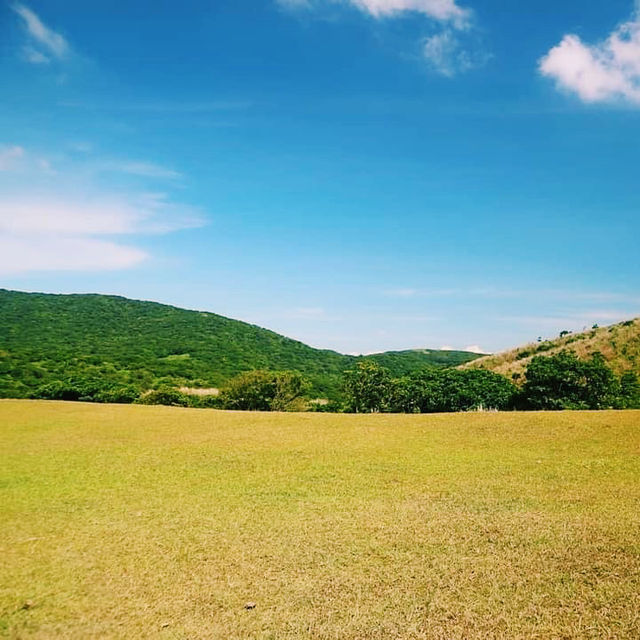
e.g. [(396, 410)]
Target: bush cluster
[(561, 381), (87, 390), (369, 388)]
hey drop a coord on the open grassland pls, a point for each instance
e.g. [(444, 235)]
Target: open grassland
[(158, 522)]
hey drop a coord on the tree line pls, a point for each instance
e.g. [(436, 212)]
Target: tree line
[(561, 381)]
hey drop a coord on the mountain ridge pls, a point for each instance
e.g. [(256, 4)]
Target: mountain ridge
[(44, 337)]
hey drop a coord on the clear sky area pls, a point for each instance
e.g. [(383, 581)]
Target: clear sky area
[(362, 175)]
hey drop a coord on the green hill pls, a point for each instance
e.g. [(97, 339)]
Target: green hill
[(46, 337), (618, 343)]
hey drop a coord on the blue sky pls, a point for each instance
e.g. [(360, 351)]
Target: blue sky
[(362, 175)]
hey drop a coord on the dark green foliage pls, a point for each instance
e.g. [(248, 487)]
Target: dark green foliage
[(629, 391), (563, 381), (544, 346), (367, 388), (50, 338), (87, 390), (165, 395), (263, 391), (204, 402), (400, 363), (442, 391)]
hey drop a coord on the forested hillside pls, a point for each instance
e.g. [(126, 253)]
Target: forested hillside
[(46, 337)]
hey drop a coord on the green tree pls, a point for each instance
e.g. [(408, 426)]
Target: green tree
[(629, 391), (563, 381), (263, 391), (366, 388), (440, 391)]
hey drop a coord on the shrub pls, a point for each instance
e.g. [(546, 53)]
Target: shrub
[(87, 390), (165, 396), (264, 391)]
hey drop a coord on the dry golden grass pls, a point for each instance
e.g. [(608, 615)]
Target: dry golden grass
[(195, 391), (158, 522), (619, 344)]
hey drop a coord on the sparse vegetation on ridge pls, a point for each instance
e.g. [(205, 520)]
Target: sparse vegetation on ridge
[(619, 345)]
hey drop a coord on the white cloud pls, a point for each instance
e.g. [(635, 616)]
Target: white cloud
[(67, 223), (34, 56), (45, 43), (9, 156), (605, 71), (18, 159), (58, 233), (447, 52), (474, 348), (19, 254), (97, 215), (446, 55), (442, 10)]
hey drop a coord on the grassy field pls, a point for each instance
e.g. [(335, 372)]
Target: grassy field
[(155, 522)]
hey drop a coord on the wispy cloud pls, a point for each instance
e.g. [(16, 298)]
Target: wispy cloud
[(443, 10), (101, 214), (60, 233), (68, 223), (161, 107), (44, 44), (17, 159), (448, 52), (10, 156), (144, 169), (20, 254), (495, 293), (601, 72)]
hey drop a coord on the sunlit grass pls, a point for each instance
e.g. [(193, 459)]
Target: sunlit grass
[(154, 522)]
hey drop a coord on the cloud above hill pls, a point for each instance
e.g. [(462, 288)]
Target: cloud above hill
[(60, 233), (602, 72), (60, 220)]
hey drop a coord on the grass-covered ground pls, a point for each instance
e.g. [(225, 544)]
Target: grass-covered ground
[(154, 522)]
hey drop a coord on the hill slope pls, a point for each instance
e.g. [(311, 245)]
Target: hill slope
[(618, 343), (45, 337)]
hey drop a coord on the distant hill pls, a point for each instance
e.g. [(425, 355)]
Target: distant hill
[(46, 337), (618, 343)]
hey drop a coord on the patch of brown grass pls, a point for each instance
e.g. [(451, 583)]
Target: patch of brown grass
[(619, 344)]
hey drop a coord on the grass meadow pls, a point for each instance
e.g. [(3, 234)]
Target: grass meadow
[(159, 522)]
